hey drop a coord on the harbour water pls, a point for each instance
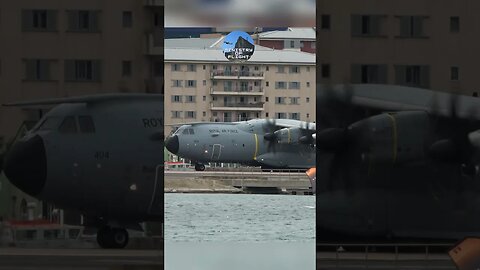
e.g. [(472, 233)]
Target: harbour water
[(239, 231)]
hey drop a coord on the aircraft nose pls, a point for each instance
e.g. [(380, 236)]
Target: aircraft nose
[(172, 144), (26, 165)]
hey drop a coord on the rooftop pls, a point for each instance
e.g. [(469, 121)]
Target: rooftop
[(291, 33), (209, 50)]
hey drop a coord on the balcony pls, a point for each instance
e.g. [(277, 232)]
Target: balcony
[(155, 42), (236, 106), (240, 91), (154, 3), (236, 75)]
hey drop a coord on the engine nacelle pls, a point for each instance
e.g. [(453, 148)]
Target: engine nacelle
[(288, 135), (393, 137)]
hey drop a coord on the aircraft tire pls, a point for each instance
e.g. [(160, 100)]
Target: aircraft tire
[(112, 237), (199, 167), (119, 238)]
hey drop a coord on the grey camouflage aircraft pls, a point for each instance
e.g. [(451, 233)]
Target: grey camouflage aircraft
[(269, 143), (397, 162), (101, 155)]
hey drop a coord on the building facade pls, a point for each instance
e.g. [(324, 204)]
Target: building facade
[(303, 39), (55, 48), (423, 43), (201, 85)]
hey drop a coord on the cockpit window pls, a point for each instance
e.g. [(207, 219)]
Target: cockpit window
[(68, 125), (188, 131), (86, 124)]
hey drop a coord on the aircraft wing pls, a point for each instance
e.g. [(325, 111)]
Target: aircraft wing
[(401, 98), (86, 99)]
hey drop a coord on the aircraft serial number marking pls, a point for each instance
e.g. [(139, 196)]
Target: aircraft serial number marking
[(152, 122), (223, 130), (102, 155)]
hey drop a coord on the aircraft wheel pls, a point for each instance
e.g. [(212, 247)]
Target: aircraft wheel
[(119, 238), (199, 167), (112, 237)]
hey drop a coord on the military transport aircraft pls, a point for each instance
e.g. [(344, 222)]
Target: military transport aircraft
[(269, 143), (397, 162), (99, 154)]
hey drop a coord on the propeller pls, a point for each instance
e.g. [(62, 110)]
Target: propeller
[(338, 150), (269, 128), (307, 134)]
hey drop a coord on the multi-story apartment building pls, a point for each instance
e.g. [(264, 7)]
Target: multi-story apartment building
[(66, 48), (202, 85), (424, 43)]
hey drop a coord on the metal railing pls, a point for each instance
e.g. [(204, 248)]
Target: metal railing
[(236, 73), (238, 104)]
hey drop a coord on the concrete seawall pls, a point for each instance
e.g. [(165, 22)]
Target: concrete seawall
[(237, 182)]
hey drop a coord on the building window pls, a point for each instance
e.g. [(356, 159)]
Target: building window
[(294, 85), (204, 82), (204, 114), (176, 114), (126, 68), (176, 98), (294, 69), (37, 69), (292, 44), (307, 100), (83, 20), (191, 114), (39, 20), (308, 84), (279, 100), (204, 67), (308, 115), (204, 98), (256, 68), (280, 85), (190, 99), (295, 116), (176, 83), (280, 69), (266, 84), (325, 22), (266, 68), (176, 67), (369, 73), (158, 68), (367, 25), (266, 114), (454, 24), (281, 115), (411, 26), (191, 68), (127, 19), (214, 67), (412, 75), (82, 70), (190, 83), (266, 99), (325, 71), (294, 100), (454, 73)]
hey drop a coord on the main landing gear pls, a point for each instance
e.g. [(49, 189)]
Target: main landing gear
[(108, 237), (199, 167)]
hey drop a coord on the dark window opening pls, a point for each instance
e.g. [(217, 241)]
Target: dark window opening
[(325, 71), (325, 22), (455, 24)]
